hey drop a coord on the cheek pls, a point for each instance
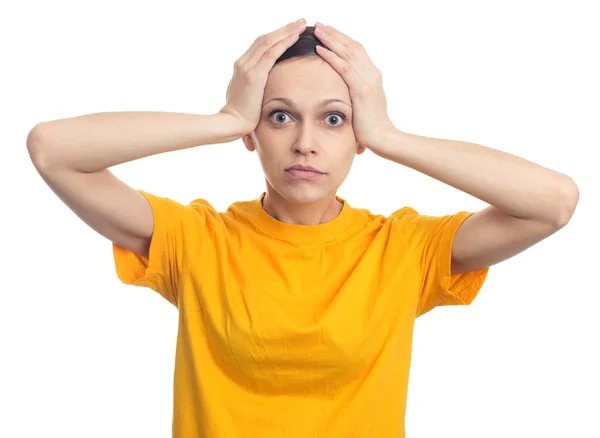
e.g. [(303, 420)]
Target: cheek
[(350, 150), (270, 158)]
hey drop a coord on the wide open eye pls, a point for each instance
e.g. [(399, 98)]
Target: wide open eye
[(280, 118), (334, 118)]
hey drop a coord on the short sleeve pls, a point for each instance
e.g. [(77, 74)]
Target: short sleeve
[(432, 238), (162, 270)]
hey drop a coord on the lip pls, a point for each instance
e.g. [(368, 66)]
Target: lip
[(305, 169), (304, 172)]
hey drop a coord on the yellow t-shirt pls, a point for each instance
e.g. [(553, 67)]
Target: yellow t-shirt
[(292, 330)]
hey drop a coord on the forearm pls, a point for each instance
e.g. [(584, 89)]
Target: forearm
[(514, 185), (94, 142)]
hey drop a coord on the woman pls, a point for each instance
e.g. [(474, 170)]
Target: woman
[(296, 309)]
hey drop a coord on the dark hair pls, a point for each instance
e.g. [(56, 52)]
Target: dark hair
[(305, 46)]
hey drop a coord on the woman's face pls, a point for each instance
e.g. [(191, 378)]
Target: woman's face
[(302, 132)]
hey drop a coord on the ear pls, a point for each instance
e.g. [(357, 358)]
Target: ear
[(248, 142)]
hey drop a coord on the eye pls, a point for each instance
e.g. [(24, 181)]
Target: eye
[(333, 116), (281, 116), (336, 116)]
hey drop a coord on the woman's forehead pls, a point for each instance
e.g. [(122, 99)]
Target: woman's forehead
[(307, 101), (305, 76)]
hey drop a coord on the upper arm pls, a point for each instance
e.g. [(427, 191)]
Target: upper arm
[(106, 204), (153, 237), (490, 236), (427, 242)]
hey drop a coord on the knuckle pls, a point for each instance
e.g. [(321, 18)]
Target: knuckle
[(270, 53), (250, 76), (240, 72)]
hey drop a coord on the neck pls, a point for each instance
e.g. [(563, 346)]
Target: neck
[(309, 213)]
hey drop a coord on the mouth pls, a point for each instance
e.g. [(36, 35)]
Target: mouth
[(304, 172)]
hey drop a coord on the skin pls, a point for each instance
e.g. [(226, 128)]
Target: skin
[(528, 202), (305, 135)]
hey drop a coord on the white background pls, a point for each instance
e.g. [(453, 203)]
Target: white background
[(83, 355)]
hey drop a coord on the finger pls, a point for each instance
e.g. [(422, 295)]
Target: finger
[(338, 35), (268, 59), (264, 42), (353, 54), (244, 58), (333, 43), (344, 68), (271, 48)]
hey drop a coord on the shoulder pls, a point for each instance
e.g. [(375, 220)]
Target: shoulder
[(200, 205), (227, 214), (402, 214), (408, 222)]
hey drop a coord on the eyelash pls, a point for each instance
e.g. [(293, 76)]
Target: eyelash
[(337, 113)]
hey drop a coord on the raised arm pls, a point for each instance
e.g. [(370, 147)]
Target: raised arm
[(73, 155)]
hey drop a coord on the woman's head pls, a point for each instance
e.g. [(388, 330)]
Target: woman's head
[(296, 128)]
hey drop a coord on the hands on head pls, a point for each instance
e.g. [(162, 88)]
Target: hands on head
[(346, 56), (246, 89)]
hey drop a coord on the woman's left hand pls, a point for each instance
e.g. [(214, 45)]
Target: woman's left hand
[(369, 105)]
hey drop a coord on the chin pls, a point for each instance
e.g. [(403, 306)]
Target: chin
[(304, 193)]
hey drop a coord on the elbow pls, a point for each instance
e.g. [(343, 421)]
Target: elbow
[(567, 201), (35, 145)]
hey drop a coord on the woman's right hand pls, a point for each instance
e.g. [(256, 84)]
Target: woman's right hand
[(245, 92)]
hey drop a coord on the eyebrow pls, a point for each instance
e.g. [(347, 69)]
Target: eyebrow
[(293, 105)]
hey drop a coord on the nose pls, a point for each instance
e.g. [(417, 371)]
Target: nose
[(305, 143)]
